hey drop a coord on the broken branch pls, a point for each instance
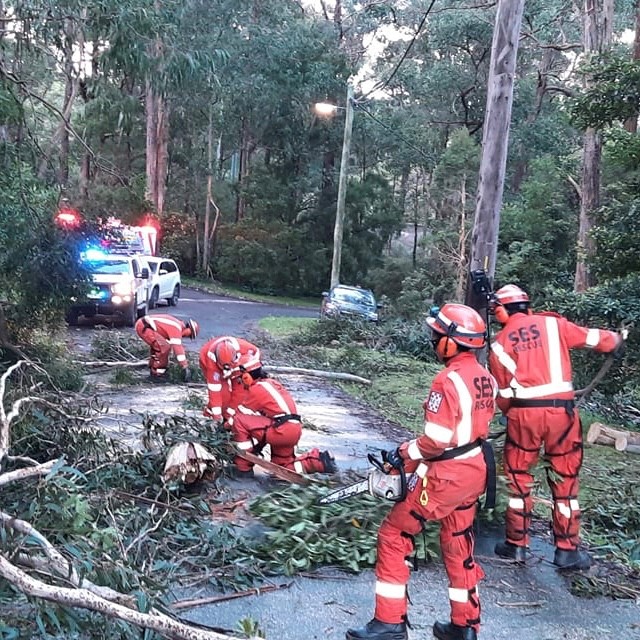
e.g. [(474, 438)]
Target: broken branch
[(190, 604)]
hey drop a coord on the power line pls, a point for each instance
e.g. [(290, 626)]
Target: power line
[(380, 86), (359, 107)]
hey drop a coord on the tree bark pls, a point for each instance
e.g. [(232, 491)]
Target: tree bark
[(495, 139), (157, 147), (598, 18), (621, 439), (85, 599), (462, 241), (631, 123), (60, 140)]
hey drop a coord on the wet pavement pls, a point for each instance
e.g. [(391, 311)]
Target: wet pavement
[(532, 602)]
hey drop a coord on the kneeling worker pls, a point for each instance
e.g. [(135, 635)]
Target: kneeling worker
[(266, 414)]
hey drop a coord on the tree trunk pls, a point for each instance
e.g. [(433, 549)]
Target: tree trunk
[(69, 94), (209, 227), (631, 123), (522, 161), (243, 172), (495, 139), (462, 242), (60, 140), (157, 146), (598, 18), (207, 206), (162, 156), (151, 145)]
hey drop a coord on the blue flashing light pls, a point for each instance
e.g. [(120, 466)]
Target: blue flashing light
[(94, 255)]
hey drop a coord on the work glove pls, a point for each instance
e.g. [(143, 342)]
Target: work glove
[(186, 374), (618, 352), (393, 458), (208, 413)]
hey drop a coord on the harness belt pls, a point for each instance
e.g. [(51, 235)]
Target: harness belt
[(489, 460), (280, 420), (456, 451), (567, 405)]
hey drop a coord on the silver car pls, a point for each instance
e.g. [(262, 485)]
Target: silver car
[(345, 301)]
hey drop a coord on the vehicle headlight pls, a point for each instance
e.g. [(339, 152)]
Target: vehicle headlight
[(122, 288)]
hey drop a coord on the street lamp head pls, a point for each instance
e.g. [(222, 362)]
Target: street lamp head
[(325, 108)]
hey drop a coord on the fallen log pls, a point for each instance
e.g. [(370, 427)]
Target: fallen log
[(155, 620), (118, 363), (620, 439), (332, 375), (275, 469)]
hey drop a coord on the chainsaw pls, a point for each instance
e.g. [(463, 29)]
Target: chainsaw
[(383, 481)]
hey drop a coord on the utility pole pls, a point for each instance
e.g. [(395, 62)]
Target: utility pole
[(342, 190), (495, 139)]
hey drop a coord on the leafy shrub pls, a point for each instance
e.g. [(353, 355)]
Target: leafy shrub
[(605, 306)]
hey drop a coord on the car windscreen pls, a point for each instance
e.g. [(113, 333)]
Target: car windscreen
[(354, 297), (110, 267)]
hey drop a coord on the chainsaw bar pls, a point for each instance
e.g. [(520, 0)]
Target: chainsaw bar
[(346, 492)]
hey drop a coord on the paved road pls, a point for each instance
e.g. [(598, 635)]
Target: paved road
[(221, 315), (532, 603)]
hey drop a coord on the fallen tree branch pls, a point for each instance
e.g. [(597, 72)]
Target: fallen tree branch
[(520, 604), (336, 375), (117, 363), (190, 604), (85, 599), (57, 562), (27, 472), (333, 375)]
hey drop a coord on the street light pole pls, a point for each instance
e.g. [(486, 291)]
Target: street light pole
[(342, 190)]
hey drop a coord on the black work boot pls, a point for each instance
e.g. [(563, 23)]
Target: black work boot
[(328, 462), (571, 559), (376, 630), (244, 473), (450, 631), (511, 551), (159, 378)]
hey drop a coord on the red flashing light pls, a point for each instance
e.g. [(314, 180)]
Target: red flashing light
[(68, 218)]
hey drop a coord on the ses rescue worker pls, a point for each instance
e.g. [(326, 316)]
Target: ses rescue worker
[(531, 362), (163, 333), (221, 359), (266, 414), (449, 471)]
